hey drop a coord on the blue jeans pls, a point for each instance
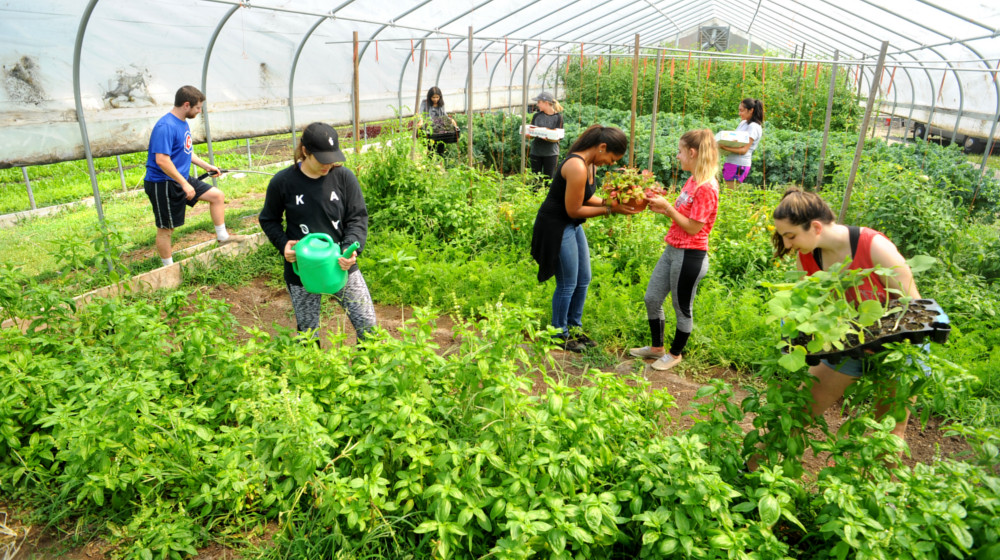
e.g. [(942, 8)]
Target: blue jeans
[(572, 279)]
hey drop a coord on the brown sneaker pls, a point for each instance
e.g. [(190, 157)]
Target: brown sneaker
[(646, 352), (234, 239)]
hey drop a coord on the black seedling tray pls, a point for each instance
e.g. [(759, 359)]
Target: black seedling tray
[(935, 328), (447, 137)]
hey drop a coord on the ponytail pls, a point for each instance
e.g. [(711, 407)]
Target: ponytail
[(756, 108), (706, 165)]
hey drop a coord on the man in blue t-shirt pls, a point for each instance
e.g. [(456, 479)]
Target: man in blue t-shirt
[(168, 182)]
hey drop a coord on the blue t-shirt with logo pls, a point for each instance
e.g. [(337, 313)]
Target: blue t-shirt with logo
[(171, 136)]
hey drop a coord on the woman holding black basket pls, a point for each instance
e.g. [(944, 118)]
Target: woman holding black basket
[(441, 124)]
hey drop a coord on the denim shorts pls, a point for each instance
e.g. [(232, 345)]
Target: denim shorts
[(854, 367)]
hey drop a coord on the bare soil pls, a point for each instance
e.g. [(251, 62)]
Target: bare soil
[(266, 305)]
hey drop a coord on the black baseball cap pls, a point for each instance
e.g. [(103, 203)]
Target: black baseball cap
[(320, 140), (545, 96)]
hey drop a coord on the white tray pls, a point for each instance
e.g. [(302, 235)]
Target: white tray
[(542, 132), (733, 138)]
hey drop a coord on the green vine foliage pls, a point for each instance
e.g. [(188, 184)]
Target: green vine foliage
[(713, 89), (784, 157)]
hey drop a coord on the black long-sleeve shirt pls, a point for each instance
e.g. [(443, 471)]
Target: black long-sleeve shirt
[(296, 205)]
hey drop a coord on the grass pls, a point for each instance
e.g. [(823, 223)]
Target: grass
[(33, 243), (69, 181), (42, 245), (992, 163)]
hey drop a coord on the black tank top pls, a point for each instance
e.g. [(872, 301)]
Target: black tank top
[(555, 202)]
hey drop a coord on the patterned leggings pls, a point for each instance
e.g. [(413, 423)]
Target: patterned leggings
[(354, 298), (677, 273)]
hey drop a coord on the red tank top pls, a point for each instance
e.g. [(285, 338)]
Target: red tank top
[(872, 287)]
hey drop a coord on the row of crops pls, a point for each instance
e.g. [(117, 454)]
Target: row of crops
[(145, 422)]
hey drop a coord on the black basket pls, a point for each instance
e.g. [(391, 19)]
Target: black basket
[(937, 329), (446, 137)]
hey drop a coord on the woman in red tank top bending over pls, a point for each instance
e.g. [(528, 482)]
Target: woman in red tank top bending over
[(804, 223)]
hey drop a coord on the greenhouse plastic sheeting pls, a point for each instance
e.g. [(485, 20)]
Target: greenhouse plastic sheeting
[(274, 64)]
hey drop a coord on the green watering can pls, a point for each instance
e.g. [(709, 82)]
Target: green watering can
[(316, 263)]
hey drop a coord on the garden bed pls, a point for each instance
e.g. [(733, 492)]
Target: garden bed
[(264, 304)]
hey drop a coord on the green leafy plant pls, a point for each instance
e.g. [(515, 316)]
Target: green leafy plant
[(817, 316)]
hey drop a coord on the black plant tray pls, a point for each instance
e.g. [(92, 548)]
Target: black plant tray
[(446, 137), (924, 319)]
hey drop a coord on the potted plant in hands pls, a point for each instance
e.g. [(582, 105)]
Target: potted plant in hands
[(629, 186)]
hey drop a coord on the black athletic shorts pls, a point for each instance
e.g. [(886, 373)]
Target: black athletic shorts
[(169, 200)]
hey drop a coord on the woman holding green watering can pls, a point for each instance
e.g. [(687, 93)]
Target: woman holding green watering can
[(320, 198)]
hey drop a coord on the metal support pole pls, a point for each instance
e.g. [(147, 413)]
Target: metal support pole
[(204, 87), (357, 98), (420, 89), (27, 184), (468, 105), (121, 173), (895, 106), (82, 121), (829, 115), (635, 93), (872, 94), (524, 106), (557, 74), (798, 75), (930, 114), (291, 79), (656, 105), (986, 154), (861, 71)]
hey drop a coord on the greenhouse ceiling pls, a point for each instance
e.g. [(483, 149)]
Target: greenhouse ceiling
[(88, 78)]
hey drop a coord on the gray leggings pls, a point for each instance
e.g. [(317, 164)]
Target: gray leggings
[(678, 272), (354, 298)]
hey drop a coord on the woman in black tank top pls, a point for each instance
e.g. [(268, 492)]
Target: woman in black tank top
[(558, 242)]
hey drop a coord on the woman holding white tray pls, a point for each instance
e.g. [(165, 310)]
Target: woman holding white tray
[(545, 152), (737, 164)]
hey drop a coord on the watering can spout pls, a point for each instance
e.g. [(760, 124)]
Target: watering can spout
[(316, 263), (350, 250)]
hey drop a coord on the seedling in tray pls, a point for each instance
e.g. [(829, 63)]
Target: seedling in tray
[(818, 322)]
